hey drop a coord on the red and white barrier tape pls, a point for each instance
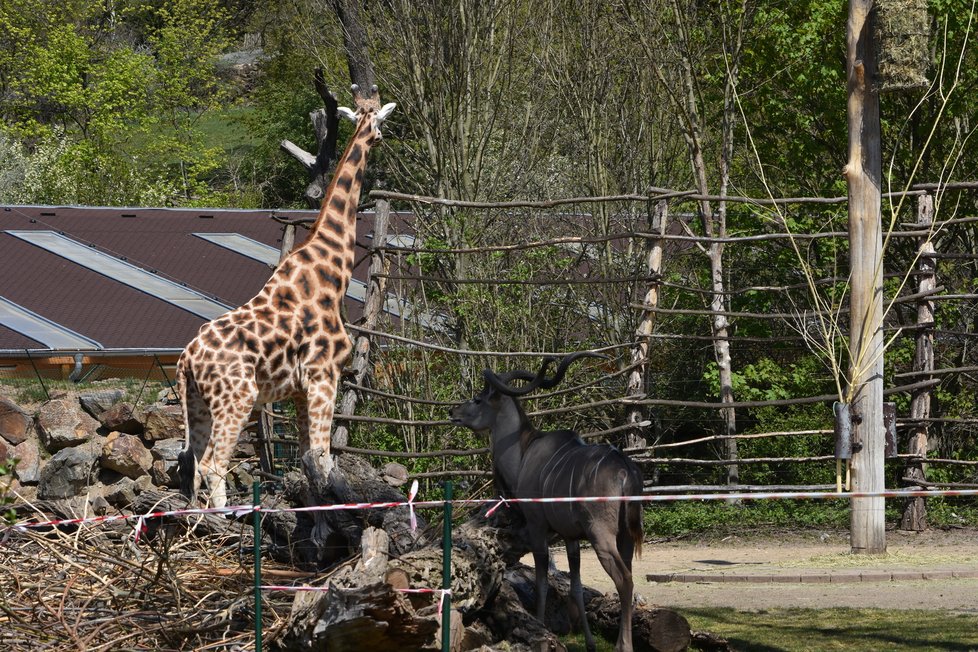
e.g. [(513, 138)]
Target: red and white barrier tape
[(411, 504)]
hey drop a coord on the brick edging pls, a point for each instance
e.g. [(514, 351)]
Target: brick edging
[(828, 577)]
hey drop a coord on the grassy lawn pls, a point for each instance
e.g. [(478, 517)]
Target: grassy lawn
[(819, 630)]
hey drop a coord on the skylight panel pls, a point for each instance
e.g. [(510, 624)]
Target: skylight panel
[(51, 334), (124, 272), (243, 245)]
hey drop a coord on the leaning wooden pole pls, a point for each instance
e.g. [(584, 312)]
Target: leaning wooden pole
[(915, 511), (863, 174), (376, 295)]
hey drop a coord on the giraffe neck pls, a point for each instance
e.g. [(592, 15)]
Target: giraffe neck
[(338, 214)]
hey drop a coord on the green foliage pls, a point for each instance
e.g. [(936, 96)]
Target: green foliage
[(685, 518), (108, 120)]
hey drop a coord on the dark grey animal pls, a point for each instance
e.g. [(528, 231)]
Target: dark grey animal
[(528, 463)]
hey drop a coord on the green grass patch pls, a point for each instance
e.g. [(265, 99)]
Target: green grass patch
[(852, 630), (226, 130), (822, 630)]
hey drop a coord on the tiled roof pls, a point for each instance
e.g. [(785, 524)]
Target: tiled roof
[(159, 241)]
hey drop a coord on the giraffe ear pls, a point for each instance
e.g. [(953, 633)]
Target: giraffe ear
[(384, 112), (349, 114)]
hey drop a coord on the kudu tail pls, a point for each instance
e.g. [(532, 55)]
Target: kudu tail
[(633, 519), (631, 511)]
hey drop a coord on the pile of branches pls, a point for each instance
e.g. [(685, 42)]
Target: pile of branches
[(96, 588)]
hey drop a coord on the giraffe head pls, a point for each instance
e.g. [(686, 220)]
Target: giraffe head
[(368, 115)]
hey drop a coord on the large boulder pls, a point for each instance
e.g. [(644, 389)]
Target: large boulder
[(162, 422), (98, 401), (121, 417), (126, 454), (14, 422), (68, 473), (61, 424)]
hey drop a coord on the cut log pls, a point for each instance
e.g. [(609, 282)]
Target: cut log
[(655, 630), (367, 618)]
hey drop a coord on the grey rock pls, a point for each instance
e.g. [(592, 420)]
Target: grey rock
[(28, 456), (68, 473), (122, 494), (164, 469), (98, 401), (394, 474), (61, 423)]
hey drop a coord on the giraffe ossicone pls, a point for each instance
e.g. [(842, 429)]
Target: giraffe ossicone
[(288, 342)]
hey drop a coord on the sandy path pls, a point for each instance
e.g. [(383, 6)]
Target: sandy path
[(792, 554)]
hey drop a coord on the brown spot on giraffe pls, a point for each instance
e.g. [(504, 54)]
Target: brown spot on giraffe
[(287, 342)]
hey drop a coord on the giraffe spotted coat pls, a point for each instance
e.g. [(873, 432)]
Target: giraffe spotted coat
[(288, 342)]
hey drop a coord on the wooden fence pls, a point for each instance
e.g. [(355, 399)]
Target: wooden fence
[(636, 271)]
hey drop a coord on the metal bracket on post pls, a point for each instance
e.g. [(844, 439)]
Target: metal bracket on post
[(890, 432)]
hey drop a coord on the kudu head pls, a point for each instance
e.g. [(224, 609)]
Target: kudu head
[(498, 396)]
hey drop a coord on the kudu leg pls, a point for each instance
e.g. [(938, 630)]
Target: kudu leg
[(577, 589), (541, 563), (619, 570)]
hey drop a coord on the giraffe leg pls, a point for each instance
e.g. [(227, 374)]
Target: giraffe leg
[(197, 420), (229, 419), (320, 404)]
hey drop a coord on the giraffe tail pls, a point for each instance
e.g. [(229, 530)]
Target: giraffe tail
[(186, 460)]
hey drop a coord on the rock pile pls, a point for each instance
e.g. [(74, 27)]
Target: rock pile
[(94, 447)]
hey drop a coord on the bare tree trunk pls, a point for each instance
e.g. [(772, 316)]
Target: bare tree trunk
[(864, 173), (714, 225), (915, 511), (357, 56), (373, 305), (640, 354), (320, 166)]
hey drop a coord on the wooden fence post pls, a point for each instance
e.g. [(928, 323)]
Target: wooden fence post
[(373, 305), (915, 511), (863, 172), (640, 353)]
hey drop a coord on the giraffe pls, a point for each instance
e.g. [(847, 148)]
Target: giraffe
[(288, 342)]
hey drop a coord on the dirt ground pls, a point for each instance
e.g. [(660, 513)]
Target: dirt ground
[(789, 554)]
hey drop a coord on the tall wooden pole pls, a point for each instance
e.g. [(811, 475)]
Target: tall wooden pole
[(640, 353), (863, 173), (915, 511)]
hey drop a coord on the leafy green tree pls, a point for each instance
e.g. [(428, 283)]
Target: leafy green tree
[(116, 96)]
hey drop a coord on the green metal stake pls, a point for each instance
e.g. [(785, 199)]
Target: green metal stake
[(446, 572), (256, 498)]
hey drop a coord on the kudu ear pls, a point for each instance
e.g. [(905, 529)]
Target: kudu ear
[(349, 114)]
